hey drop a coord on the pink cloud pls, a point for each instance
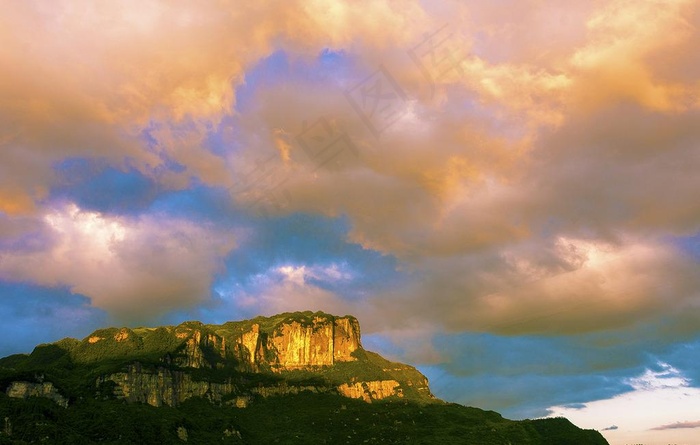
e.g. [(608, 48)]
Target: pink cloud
[(134, 268)]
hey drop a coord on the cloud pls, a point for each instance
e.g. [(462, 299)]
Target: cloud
[(479, 191), (143, 85), (34, 314), (94, 185), (614, 65), (302, 274), (483, 179), (532, 372), (535, 186), (134, 268), (316, 243), (668, 377), (678, 425), (572, 286), (286, 288), (665, 388), (528, 31), (526, 395)]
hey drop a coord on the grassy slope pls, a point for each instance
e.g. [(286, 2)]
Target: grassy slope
[(300, 419), (94, 416)]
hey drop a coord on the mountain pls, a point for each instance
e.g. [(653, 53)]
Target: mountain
[(298, 377)]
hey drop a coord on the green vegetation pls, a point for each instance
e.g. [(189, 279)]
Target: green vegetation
[(295, 419), (369, 366), (271, 324), (96, 414)]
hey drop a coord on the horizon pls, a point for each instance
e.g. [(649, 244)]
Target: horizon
[(504, 195)]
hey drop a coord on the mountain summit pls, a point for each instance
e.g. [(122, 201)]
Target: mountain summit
[(299, 365)]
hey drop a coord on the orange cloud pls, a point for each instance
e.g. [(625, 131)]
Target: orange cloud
[(558, 121), (133, 268), (87, 80), (15, 202), (624, 35)]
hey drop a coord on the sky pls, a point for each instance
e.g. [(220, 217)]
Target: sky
[(504, 193)]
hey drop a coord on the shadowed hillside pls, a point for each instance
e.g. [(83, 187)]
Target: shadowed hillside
[(291, 378)]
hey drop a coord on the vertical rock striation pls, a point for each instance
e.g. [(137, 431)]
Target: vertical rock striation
[(163, 387), (266, 356), (300, 344), (24, 390)]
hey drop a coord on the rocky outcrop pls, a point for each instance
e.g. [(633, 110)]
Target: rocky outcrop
[(321, 343), (24, 390), (249, 341), (285, 343), (163, 387), (202, 349), (267, 356), (300, 344), (369, 391), (299, 341), (290, 358), (346, 338), (414, 381)]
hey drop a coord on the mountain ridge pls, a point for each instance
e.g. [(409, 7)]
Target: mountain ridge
[(168, 364), (240, 368)]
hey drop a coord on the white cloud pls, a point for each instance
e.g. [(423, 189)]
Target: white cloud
[(290, 287), (134, 268), (299, 274), (658, 400), (669, 377), (293, 274)]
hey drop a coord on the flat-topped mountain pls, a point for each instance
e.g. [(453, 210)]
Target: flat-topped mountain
[(249, 376)]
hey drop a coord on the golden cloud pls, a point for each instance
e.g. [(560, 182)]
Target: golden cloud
[(556, 121)]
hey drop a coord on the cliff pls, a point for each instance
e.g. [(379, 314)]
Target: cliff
[(294, 341), (292, 378), (24, 390), (279, 355)]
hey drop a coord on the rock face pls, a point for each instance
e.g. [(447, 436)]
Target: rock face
[(374, 390), (293, 342), (270, 369), (346, 338), (300, 345), (202, 349), (163, 387), (24, 390), (234, 362), (316, 343)]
